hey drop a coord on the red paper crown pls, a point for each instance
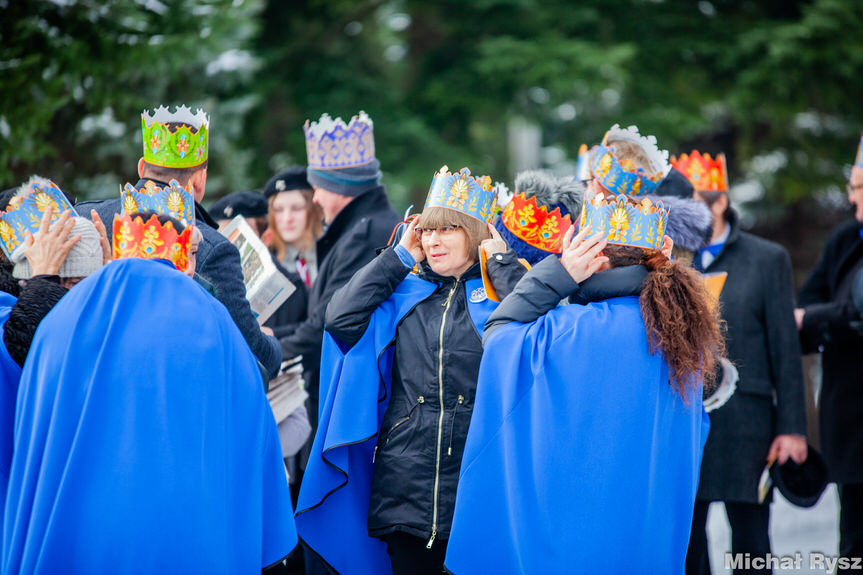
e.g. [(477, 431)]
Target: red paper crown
[(151, 240), (534, 224), (704, 173)]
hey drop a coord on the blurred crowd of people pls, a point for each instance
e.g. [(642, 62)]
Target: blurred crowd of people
[(553, 379)]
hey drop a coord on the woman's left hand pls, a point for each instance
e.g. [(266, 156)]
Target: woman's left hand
[(580, 255), (495, 244)]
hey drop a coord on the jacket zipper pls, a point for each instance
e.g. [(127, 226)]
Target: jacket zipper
[(420, 400), (440, 419)]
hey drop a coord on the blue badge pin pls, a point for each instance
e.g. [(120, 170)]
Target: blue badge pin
[(478, 295)]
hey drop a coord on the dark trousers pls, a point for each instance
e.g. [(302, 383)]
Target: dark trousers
[(750, 525), (850, 520), (409, 556)]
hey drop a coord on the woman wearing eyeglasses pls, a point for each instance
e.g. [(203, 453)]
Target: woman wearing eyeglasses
[(408, 328)]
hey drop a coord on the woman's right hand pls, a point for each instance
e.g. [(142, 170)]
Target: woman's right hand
[(580, 255), (411, 242), (47, 249)]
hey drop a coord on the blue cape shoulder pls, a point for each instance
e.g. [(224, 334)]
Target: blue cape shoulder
[(332, 508), (577, 443), (143, 437)]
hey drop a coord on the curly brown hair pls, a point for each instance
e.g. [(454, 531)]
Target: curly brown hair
[(681, 317)]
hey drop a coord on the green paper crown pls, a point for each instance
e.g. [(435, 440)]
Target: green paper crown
[(183, 144)]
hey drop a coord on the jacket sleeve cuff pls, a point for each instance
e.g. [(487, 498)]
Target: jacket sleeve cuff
[(405, 256)]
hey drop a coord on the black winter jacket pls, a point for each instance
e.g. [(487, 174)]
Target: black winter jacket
[(757, 304), (35, 300), (833, 325), (436, 364)]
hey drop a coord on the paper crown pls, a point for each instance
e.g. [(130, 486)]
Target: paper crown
[(703, 172), (135, 238), (582, 166), (471, 195), (534, 224), (621, 176), (25, 211), (183, 144), (625, 222), (334, 144), (858, 161), (174, 201)]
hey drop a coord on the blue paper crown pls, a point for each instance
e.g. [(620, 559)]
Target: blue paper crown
[(621, 178), (625, 222), (471, 195), (25, 211), (858, 161), (334, 144), (174, 201)]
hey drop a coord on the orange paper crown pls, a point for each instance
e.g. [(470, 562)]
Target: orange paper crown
[(534, 224), (133, 238), (704, 173)]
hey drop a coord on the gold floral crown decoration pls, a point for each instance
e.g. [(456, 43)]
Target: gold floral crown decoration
[(534, 224), (459, 191), (703, 172)]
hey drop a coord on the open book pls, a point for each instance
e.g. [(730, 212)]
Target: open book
[(266, 287)]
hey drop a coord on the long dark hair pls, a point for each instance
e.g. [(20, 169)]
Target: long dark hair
[(681, 317)]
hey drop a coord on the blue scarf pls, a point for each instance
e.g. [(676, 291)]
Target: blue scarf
[(579, 451), (144, 441), (332, 508)]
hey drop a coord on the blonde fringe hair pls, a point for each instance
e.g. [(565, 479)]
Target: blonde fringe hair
[(475, 230)]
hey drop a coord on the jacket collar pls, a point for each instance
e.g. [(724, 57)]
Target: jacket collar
[(427, 274), (607, 284), (367, 202), (200, 213)]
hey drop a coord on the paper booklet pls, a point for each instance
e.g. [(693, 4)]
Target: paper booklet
[(266, 287), (287, 391)]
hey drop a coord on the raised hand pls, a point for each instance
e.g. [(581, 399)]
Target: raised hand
[(580, 255)]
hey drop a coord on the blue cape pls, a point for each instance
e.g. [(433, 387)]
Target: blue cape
[(10, 374), (580, 456), (333, 505), (143, 438)]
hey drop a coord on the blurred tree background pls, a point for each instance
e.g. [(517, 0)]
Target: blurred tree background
[(497, 85)]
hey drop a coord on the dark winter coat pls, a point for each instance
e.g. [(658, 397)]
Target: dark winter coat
[(218, 261), (832, 325), (435, 369), (35, 300), (349, 243), (294, 310), (757, 305)]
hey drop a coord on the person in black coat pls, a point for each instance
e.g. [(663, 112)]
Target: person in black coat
[(830, 323), (435, 367), (757, 305)]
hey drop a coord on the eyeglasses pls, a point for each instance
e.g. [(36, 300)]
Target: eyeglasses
[(850, 188), (443, 231)]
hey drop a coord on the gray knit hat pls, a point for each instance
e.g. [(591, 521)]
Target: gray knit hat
[(84, 258)]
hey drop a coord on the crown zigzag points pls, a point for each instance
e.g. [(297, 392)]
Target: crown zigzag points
[(474, 196), (332, 144), (173, 200), (185, 144), (658, 158), (26, 208), (704, 173)]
